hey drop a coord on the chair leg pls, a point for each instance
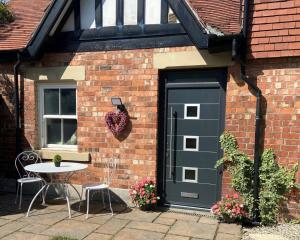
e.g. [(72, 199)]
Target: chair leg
[(108, 192), (21, 193), (17, 195), (87, 203), (80, 198)]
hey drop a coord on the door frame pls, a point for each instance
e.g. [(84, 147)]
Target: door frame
[(221, 74)]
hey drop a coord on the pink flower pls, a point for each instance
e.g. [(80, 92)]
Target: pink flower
[(236, 196), (153, 201), (227, 196)]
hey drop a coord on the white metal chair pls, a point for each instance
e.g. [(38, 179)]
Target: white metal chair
[(23, 159), (111, 167)]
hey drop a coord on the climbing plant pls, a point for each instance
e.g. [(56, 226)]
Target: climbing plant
[(6, 15), (275, 181)]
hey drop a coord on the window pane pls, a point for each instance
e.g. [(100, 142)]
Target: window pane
[(51, 101), (191, 143), (190, 174), (53, 131), (70, 131), (130, 12), (87, 14), (192, 111), (109, 13), (172, 17), (68, 101), (152, 11)]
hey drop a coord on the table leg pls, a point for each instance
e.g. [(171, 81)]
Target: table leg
[(30, 206), (65, 190)]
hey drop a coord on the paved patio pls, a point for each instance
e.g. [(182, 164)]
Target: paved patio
[(132, 224)]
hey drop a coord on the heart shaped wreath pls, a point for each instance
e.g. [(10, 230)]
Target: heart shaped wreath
[(116, 122)]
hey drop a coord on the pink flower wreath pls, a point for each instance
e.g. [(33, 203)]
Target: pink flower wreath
[(116, 122)]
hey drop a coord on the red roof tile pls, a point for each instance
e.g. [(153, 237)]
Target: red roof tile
[(28, 15), (224, 15)]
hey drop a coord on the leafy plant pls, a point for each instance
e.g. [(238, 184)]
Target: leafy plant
[(230, 209), (6, 15), (275, 181), (144, 193), (57, 160)]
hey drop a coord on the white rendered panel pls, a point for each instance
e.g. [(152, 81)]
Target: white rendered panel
[(109, 13), (87, 14), (130, 12), (152, 11), (70, 24)]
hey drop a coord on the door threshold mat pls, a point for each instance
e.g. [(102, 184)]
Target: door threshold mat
[(191, 212)]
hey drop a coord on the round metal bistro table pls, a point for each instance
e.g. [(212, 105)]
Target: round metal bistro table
[(65, 172)]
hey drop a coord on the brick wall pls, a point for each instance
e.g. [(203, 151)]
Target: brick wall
[(275, 28), (279, 80)]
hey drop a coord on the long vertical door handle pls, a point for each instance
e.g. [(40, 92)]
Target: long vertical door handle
[(171, 144)]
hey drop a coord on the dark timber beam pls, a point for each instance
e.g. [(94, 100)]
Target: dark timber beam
[(164, 11), (120, 12), (51, 16), (141, 12), (99, 13), (77, 15), (190, 23)]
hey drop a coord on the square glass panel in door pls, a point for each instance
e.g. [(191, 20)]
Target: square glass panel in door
[(68, 102), (51, 101), (191, 111), (53, 131), (190, 143), (190, 175), (70, 131)]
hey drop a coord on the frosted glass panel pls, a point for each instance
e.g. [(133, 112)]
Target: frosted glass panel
[(152, 11), (130, 12), (69, 25), (109, 13), (87, 14)]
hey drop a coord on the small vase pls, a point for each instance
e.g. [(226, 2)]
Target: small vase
[(57, 164)]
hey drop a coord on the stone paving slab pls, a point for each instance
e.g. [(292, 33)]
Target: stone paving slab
[(225, 236), (179, 216), (175, 237), (98, 236), (35, 228), (4, 221), (165, 221), (97, 219), (11, 228), (45, 218), (192, 229), (134, 234), (153, 227), (71, 228), (230, 229), (25, 236), (112, 226), (208, 220), (138, 215)]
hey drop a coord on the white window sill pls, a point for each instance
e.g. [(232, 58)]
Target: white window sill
[(66, 154)]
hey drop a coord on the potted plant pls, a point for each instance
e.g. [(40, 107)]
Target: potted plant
[(144, 195), (57, 160), (230, 210)]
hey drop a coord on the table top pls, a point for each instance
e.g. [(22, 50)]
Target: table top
[(50, 168)]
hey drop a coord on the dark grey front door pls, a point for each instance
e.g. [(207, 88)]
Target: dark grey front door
[(194, 121)]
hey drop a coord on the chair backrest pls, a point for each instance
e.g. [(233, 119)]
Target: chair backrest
[(25, 158), (111, 167)]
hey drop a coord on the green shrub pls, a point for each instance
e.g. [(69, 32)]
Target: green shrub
[(275, 181), (6, 15)]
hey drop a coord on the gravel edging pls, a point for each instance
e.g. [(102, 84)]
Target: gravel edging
[(288, 231)]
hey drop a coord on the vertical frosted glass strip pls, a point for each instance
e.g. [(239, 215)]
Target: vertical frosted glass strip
[(152, 11), (109, 13), (130, 12), (87, 14), (70, 24)]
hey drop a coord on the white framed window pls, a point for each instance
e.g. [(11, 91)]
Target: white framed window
[(58, 116), (191, 111), (130, 12), (191, 143), (190, 175), (152, 11)]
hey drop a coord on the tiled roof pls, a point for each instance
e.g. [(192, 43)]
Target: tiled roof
[(28, 15), (223, 15)]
